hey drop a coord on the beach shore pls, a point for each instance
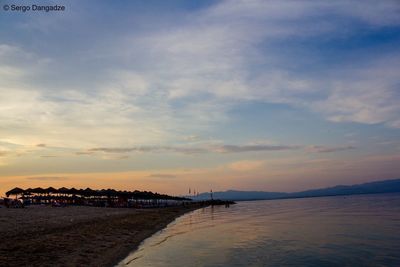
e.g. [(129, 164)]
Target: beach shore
[(77, 235)]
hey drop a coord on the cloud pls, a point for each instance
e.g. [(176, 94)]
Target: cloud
[(368, 95), (325, 149), (237, 54), (193, 150), (219, 149), (84, 153), (191, 138), (46, 178), (41, 145), (185, 76), (155, 149), (251, 148), (110, 150), (121, 157), (161, 175), (246, 165)]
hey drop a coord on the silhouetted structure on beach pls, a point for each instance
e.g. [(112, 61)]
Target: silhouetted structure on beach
[(90, 197)]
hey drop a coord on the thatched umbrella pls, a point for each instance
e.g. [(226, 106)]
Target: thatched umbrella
[(89, 192), (81, 192), (63, 190), (101, 192), (38, 190), (73, 191), (111, 192), (15, 191), (51, 190)]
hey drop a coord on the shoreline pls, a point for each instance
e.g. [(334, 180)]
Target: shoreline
[(155, 230), (78, 236)]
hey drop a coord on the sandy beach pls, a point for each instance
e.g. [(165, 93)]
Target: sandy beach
[(77, 235)]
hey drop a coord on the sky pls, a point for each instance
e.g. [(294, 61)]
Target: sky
[(167, 95)]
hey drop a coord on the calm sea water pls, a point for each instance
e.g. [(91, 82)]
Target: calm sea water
[(330, 231)]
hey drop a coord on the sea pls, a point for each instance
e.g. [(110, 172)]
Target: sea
[(358, 230)]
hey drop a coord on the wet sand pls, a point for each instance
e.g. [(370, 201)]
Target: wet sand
[(77, 236)]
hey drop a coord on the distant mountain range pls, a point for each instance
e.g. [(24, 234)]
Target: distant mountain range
[(387, 186)]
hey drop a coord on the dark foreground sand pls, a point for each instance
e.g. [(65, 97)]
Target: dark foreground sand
[(76, 236)]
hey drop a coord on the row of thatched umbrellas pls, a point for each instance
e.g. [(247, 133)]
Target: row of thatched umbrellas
[(91, 193)]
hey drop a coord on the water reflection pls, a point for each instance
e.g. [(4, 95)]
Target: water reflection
[(331, 231)]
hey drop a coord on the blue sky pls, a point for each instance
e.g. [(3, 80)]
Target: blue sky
[(271, 95)]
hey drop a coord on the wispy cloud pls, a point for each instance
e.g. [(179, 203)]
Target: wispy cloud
[(246, 165), (192, 138), (188, 74), (221, 43), (219, 149), (46, 178), (155, 149), (326, 149), (84, 153), (367, 94), (194, 150), (162, 175), (251, 148)]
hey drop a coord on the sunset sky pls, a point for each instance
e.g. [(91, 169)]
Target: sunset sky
[(167, 95)]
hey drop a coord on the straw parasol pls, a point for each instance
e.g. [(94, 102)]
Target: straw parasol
[(15, 191)]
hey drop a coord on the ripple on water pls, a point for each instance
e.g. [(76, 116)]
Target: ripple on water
[(329, 231)]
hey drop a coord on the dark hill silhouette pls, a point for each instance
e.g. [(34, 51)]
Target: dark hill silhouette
[(387, 186)]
